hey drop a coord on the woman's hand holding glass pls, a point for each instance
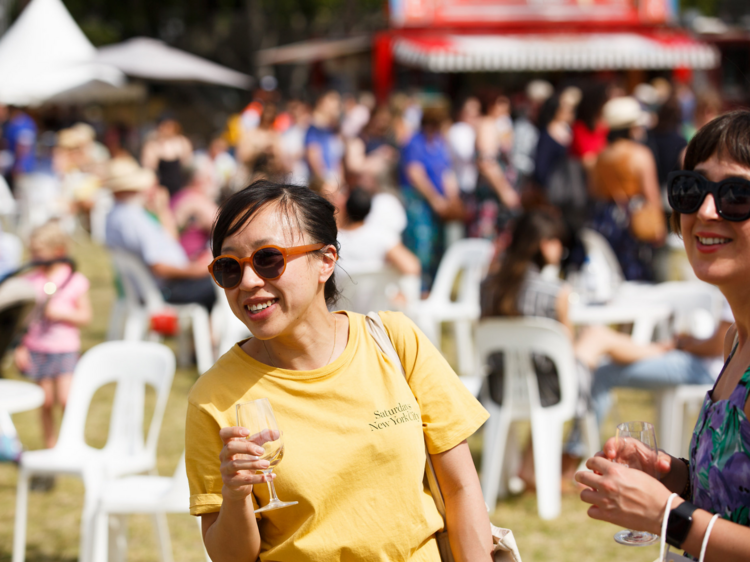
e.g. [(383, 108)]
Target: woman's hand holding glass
[(635, 454), (625, 486), (241, 463)]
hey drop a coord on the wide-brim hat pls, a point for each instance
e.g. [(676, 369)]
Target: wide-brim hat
[(76, 136), (124, 174), (623, 113)]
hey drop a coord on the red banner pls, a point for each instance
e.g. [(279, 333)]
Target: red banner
[(453, 13)]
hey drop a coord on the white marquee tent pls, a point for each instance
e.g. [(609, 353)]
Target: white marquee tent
[(45, 53), (152, 59)]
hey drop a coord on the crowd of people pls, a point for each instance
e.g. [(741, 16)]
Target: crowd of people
[(358, 185)]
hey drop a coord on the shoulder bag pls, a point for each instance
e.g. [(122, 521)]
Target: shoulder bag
[(505, 548)]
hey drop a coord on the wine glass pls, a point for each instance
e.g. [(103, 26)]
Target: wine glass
[(257, 417), (636, 448)]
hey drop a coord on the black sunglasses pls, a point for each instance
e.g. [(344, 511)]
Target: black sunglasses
[(687, 190)]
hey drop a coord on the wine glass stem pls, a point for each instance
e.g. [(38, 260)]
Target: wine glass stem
[(271, 487)]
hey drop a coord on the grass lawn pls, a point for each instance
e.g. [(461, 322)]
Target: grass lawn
[(54, 517)]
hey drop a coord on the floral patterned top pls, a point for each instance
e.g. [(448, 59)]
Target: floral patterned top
[(720, 455)]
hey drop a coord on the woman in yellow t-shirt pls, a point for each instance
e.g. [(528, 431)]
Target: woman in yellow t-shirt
[(354, 427)]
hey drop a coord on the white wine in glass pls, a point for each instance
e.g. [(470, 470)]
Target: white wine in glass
[(636, 442), (257, 417)]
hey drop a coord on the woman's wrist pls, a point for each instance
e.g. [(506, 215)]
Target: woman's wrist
[(236, 497), (678, 478)]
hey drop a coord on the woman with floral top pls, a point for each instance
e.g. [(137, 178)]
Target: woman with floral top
[(711, 200)]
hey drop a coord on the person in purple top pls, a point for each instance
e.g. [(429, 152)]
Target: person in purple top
[(430, 191), (711, 203)]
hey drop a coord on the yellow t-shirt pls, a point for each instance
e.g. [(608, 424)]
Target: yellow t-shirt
[(354, 455)]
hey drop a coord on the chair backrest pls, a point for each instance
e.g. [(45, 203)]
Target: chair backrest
[(39, 200), (517, 339), (603, 265), (8, 205), (697, 305), (132, 365), (363, 291), (470, 258), (138, 284), (227, 329), (179, 491), (103, 204)]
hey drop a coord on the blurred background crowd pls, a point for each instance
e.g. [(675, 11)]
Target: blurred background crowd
[(423, 126)]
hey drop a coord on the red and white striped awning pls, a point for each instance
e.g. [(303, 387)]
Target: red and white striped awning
[(581, 51)]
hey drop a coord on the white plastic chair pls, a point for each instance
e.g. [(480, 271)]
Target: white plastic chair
[(143, 299), (133, 366), (103, 203), (154, 495), (39, 199), (517, 339), (8, 205), (227, 328), (604, 271), (470, 259), (697, 310), (364, 291)]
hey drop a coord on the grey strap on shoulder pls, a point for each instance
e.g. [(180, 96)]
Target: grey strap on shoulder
[(377, 330)]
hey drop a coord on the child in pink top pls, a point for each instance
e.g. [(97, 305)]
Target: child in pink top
[(49, 350)]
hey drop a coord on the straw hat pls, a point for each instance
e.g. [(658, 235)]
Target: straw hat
[(623, 113), (539, 90), (76, 136), (124, 174)]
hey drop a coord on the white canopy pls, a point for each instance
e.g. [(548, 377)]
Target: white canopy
[(564, 51), (45, 53), (150, 58)]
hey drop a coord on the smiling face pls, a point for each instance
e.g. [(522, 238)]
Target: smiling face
[(718, 250), (276, 308)]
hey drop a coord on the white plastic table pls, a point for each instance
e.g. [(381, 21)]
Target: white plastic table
[(644, 317), (19, 396)]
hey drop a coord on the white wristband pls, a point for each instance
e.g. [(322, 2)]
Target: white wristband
[(667, 509), (705, 537)]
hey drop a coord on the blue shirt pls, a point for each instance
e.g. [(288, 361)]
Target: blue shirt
[(20, 131), (432, 154), (330, 146), (129, 227)]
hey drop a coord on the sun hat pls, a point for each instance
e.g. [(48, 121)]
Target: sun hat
[(76, 136), (124, 174), (623, 113), (539, 90)]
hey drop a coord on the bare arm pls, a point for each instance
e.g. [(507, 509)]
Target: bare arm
[(711, 347), (493, 173), (355, 156), (467, 521), (314, 156), (417, 176), (232, 535), (562, 305), (194, 270), (402, 259), (649, 177), (79, 316), (489, 167), (149, 156), (186, 151), (633, 499)]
